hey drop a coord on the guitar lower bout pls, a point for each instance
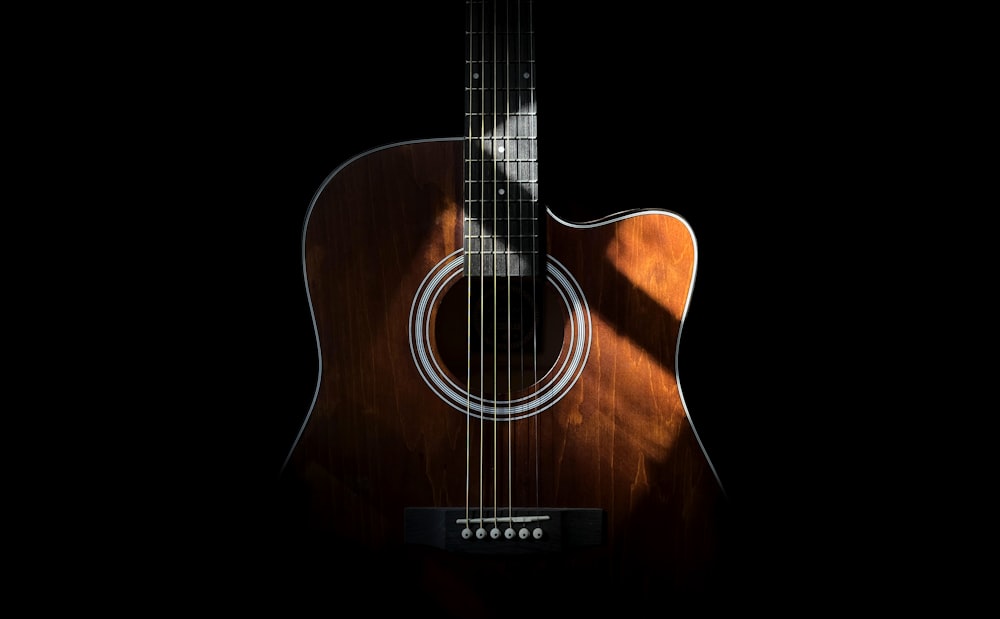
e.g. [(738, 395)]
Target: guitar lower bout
[(447, 403)]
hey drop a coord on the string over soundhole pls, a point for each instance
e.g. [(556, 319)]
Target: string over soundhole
[(504, 348), (500, 336)]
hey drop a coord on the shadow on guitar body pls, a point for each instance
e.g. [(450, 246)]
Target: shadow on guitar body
[(599, 424)]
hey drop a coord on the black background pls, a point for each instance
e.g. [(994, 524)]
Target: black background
[(162, 162), (633, 113), (734, 121), (626, 122)]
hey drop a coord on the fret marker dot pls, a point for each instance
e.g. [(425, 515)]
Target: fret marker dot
[(526, 75), (500, 149), (475, 76), (502, 192)]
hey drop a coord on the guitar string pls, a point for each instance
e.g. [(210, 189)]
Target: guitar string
[(482, 284), (525, 202), (496, 205), (532, 206), (470, 149), (493, 185), (510, 238), (471, 146)]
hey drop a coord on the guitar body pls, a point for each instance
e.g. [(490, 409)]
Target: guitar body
[(386, 431)]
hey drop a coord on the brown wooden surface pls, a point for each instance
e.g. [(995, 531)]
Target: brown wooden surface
[(378, 440)]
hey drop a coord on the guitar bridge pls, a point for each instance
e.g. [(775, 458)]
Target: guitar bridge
[(506, 531)]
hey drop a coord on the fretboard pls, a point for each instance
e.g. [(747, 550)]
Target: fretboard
[(502, 229)]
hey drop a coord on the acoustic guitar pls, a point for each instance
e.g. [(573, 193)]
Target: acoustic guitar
[(498, 419)]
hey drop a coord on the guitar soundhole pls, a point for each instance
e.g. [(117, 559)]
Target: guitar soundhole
[(499, 336)]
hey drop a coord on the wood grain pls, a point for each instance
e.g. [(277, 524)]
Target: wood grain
[(377, 440)]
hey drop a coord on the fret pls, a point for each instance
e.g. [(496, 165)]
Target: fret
[(511, 158), (500, 17), (501, 265), (523, 169), (523, 172), (514, 109), (481, 205), (485, 122), (501, 180), (507, 24), (527, 245), (504, 209), (481, 202), (513, 244), (494, 192), (501, 220), (486, 168), (487, 224), (505, 141), (517, 73), (516, 229), (497, 48)]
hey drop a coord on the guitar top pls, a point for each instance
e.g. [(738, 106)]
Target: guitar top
[(498, 416)]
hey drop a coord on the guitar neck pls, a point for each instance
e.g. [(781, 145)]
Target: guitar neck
[(502, 223)]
